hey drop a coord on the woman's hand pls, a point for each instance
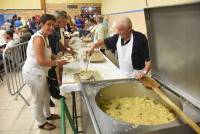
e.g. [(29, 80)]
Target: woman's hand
[(71, 50), (60, 63)]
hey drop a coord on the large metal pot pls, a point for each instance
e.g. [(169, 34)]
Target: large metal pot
[(129, 89)]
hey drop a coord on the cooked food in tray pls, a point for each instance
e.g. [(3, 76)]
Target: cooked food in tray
[(87, 39), (76, 33), (97, 56), (138, 110), (86, 45), (85, 75), (68, 58)]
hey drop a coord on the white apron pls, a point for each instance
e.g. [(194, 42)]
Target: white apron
[(62, 38), (125, 58)]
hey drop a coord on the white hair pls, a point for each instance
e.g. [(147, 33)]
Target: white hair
[(124, 21)]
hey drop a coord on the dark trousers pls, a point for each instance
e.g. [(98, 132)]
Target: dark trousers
[(53, 84)]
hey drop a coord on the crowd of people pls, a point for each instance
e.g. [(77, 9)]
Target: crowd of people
[(21, 30), (45, 36), (46, 40), (85, 25)]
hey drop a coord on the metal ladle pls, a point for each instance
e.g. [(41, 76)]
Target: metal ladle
[(88, 62)]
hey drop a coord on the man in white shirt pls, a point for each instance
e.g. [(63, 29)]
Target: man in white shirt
[(8, 36), (7, 24), (99, 32), (8, 39)]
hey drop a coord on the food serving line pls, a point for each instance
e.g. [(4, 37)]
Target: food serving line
[(103, 70), (107, 75), (101, 66), (94, 120), (175, 65)]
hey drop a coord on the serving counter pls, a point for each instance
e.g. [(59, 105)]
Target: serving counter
[(105, 70), (94, 120), (173, 34)]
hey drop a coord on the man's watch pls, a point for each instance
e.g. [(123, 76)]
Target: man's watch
[(144, 72)]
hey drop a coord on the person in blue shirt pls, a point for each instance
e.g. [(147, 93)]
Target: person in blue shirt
[(32, 25), (18, 22), (79, 24), (14, 18)]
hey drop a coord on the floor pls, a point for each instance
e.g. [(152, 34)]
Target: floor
[(16, 117)]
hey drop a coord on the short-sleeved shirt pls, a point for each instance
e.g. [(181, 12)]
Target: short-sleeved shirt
[(99, 33), (11, 43), (140, 50), (79, 23), (18, 23)]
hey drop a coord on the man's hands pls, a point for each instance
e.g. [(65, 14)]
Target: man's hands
[(140, 74), (71, 51)]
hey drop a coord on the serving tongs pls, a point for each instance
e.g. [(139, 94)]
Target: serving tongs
[(88, 62)]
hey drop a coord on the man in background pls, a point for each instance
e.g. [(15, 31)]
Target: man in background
[(58, 44), (18, 23)]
